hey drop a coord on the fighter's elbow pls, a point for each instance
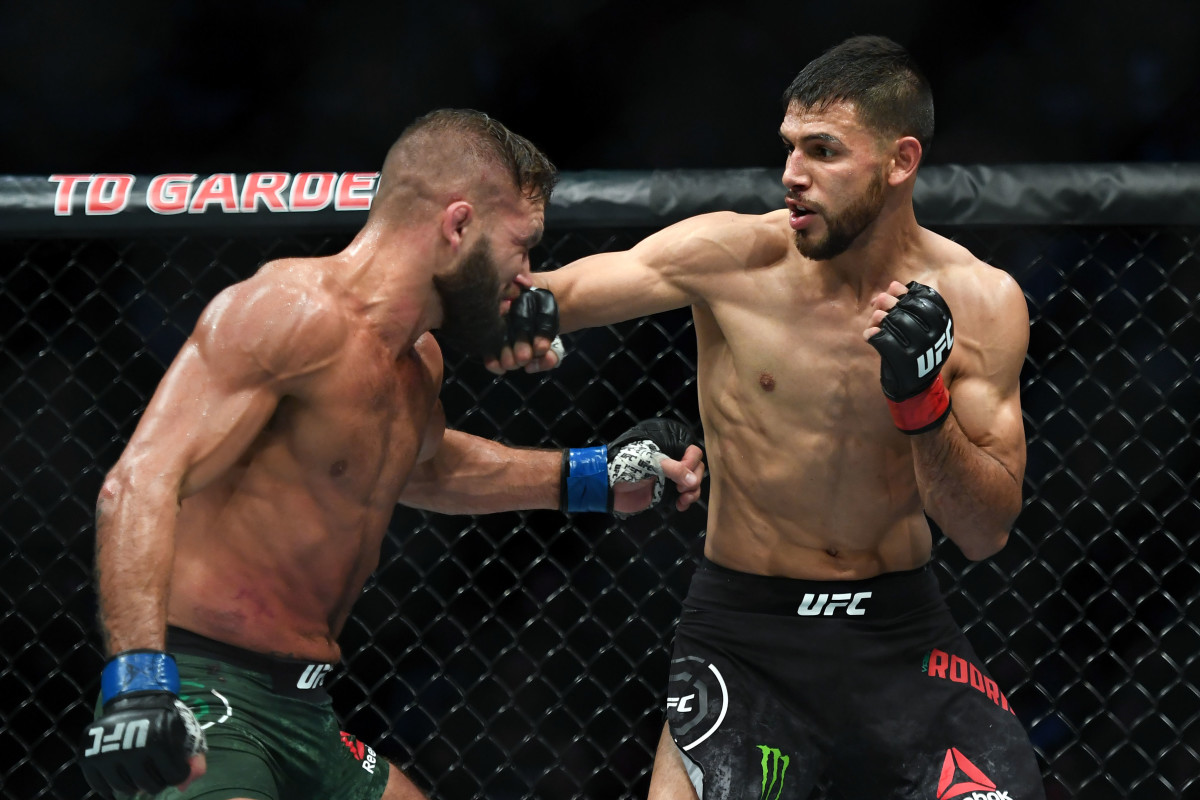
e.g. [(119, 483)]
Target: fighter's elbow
[(979, 547), (113, 493), (135, 480), (112, 490)]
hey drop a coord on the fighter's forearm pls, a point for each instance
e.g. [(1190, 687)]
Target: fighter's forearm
[(608, 288), (970, 494), (134, 551), (576, 310), (472, 475)]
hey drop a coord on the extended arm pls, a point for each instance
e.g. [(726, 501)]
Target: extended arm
[(471, 475), (668, 269)]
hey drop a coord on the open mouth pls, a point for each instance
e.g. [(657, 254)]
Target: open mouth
[(800, 215)]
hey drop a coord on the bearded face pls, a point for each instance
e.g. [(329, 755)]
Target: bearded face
[(844, 226), (471, 320)]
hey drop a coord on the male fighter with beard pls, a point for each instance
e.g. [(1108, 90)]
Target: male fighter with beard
[(814, 640), (247, 511)]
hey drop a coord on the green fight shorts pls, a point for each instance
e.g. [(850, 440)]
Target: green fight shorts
[(270, 726)]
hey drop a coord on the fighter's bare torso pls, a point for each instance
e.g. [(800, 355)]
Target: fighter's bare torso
[(272, 554), (810, 478)]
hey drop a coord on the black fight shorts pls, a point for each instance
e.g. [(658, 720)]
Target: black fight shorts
[(777, 684)]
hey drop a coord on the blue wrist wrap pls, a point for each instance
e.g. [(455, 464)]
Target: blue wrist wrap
[(585, 479), (138, 671)]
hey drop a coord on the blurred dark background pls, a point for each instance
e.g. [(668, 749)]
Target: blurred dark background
[(144, 87), (522, 655)]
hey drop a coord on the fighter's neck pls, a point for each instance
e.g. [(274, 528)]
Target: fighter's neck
[(888, 250), (391, 286)]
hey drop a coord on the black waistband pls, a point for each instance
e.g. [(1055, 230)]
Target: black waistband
[(288, 676), (890, 595)]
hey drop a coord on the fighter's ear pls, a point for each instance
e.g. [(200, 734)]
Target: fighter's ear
[(456, 217), (905, 159)]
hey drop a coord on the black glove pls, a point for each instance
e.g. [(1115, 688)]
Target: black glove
[(589, 473), (533, 313), (143, 739), (914, 341)]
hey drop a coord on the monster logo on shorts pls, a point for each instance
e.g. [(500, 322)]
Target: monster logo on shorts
[(774, 769), (697, 700)]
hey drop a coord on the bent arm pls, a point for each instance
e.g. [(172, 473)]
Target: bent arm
[(190, 432), (211, 404), (970, 470)]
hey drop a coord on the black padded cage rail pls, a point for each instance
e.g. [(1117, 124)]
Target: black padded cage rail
[(525, 654)]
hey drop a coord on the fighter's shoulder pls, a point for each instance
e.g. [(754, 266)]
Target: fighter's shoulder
[(722, 225), (975, 289), (286, 317)]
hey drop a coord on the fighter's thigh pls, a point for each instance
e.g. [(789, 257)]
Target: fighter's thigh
[(733, 731), (669, 779), (325, 762), (232, 774), (399, 787), (935, 733)]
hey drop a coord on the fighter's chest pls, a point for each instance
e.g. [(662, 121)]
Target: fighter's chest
[(359, 430), (794, 350)]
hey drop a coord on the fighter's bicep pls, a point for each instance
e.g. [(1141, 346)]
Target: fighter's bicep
[(985, 379), (611, 287), (679, 266), (202, 419), (990, 417)]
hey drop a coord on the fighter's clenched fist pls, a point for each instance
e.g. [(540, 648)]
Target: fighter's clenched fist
[(913, 331)]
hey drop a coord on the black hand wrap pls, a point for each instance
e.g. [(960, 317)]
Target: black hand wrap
[(145, 736), (913, 342)]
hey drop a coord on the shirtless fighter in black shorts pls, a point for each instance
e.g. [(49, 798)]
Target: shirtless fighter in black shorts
[(856, 372)]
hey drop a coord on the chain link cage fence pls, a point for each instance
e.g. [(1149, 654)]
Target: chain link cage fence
[(524, 655)]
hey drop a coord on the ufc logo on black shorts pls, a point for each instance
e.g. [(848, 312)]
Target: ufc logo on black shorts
[(823, 604)]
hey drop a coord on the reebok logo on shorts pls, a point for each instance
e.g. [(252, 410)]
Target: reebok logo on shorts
[(363, 754), (962, 779), (939, 664)]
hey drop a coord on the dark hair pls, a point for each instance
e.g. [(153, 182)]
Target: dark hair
[(490, 141), (879, 77)]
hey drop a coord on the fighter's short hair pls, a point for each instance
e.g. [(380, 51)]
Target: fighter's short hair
[(888, 89)]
